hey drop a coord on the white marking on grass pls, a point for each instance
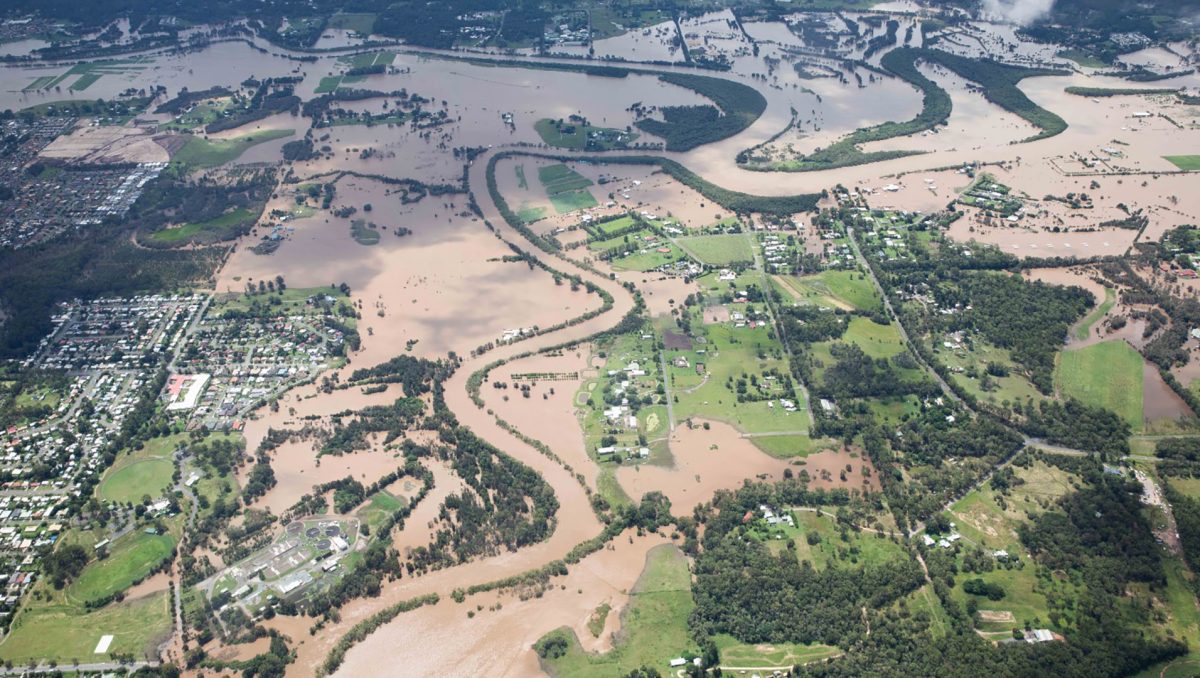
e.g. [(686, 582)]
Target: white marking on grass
[(102, 646)]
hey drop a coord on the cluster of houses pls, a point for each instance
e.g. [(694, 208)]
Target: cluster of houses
[(47, 203), (115, 334), (775, 252), (233, 365)]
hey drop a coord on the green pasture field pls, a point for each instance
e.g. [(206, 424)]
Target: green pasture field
[(718, 250), (728, 352), (1187, 163), (130, 558), (202, 153), (1107, 374), (561, 179), (222, 225), (846, 290), (570, 201), (64, 633), (1013, 387)]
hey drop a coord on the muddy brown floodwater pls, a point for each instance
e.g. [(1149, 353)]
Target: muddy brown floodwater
[(575, 520), (705, 461), (441, 640)]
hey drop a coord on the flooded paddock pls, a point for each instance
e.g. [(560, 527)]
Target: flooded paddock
[(705, 461)]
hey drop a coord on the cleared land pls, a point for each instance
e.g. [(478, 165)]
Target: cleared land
[(718, 250), (1107, 374)]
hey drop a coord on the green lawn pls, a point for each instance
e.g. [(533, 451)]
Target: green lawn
[(1015, 386), (363, 234), (379, 507), (1085, 326), (718, 250), (63, 632), (1187, 666), (529, 214), (1188, 163), (140, 472), (653, 625), (1082, 58), (130, 559), (201, 153), (569, 201), (835, 289), (328, 84), (1108, 374)]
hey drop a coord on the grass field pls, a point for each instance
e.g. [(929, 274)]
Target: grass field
[(727, 353), (1187, 666), (1013, 387), (575, 137), (790, 446), (1108, 374), (521, 181), (846, 290), (1082, 58), (223, 227), (718, 250), (736, 653), (569, 201), (63, 632), (363, 234), (529, 214), (1085, 326), (130, 559), (327, 84), (85, 81), (201, 153), (653, 624), (292, 301), (983, 523), (140, 472), (378, 507), (1188, 163), (877, 341), (561, 179)]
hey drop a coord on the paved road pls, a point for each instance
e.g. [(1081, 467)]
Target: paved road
[(666, 377)]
